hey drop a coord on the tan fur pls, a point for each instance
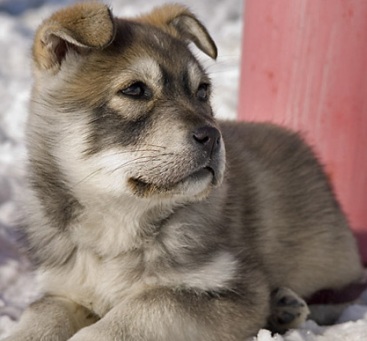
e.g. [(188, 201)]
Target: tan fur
[(178, 21), (149, 219), (79, 27)]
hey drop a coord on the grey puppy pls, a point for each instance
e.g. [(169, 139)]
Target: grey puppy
[(148, 218)]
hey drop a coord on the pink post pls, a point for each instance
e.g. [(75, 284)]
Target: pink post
[(305, 66)]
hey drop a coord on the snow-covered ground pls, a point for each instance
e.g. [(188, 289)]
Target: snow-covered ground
[(18, 20)]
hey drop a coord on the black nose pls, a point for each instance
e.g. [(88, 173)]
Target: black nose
[(208, 138)]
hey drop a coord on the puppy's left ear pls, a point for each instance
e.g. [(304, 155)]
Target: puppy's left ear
[(183, 24)]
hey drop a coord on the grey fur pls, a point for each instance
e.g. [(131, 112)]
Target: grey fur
[(142, 231)]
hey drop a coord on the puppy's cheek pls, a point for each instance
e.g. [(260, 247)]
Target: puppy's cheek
[(103, 173), (110, 175)]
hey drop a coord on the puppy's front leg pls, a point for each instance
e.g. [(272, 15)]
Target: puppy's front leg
[(51, 319), (163, 314)]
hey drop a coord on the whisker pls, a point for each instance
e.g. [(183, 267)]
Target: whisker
[(88, 177), (118, 152), (154, 145), (140, 160), (136, 161)]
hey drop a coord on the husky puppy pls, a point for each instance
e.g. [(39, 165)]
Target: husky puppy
[(149, 219)]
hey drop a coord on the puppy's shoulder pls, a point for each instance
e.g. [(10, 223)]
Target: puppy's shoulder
[(272, 142), (257, 133)]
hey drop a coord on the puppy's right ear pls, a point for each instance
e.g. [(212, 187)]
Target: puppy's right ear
[(77, 28)]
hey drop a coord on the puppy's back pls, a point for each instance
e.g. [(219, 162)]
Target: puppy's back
[(287, 209)]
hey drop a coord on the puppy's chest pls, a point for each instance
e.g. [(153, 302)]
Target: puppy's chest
[(101, 283)]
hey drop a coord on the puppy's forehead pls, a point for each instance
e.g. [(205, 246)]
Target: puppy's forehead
[(143, 43), (148, 67), (159, 59), (152, 69), (195, 73)]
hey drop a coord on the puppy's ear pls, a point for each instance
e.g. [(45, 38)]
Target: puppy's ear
[(77, 28), (181, 23)]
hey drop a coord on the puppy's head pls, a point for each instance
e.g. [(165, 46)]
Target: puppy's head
[(122, 106)]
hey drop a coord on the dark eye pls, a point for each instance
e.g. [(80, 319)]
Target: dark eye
[(137, 90), (203, 92)]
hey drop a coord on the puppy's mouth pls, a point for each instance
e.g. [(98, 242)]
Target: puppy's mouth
[(204, 176)]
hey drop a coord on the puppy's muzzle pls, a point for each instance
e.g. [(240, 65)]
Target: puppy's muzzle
[(207, 142)]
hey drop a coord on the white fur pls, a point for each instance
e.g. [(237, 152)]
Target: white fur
[(195, 75), (148, 69), (100, 285)]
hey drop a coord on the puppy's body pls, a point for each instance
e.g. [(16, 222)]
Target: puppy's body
[(150, 220)]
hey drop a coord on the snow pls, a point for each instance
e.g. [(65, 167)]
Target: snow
[(18, 20)]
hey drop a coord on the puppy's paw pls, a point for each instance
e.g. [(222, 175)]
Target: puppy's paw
[(288, 310)]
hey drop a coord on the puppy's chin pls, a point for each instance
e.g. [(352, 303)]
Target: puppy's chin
[(194, 187)]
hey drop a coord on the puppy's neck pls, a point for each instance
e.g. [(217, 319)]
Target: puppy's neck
[(112, 226)]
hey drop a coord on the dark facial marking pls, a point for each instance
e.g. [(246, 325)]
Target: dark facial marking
[(186, 83), (58, 202), (109, 128), (60, 208)]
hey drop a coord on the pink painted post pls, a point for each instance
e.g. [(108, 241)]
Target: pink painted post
[(305, 66)]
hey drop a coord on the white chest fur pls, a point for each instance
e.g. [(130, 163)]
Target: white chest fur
[(116, 258)]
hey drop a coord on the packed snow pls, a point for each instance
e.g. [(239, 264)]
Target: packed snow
[(18, 21)]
